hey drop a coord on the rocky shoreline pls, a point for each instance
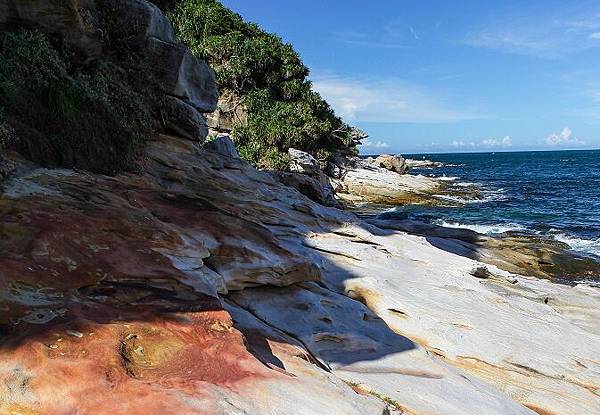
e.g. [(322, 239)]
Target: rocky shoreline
[(379, 188), (206, 283), (202, 285)]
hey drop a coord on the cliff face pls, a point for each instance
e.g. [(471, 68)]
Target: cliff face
[(204, 286), (86, 83)]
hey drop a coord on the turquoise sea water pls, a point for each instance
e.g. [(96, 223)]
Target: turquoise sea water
[(554, 194)]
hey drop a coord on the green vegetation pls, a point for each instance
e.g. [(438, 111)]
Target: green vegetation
[(270, 78), (6, 132), (389, 401), (57, 114)]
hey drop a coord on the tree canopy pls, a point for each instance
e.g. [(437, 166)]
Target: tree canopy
[(269, 77)]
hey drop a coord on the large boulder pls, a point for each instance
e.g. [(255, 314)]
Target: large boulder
[(72, 21), (181, 119), (306, 176), (304, 163), (86, 27), (179, 73), (188, 82), (183, 75), (144, 20), (222, 145), (392, 163)]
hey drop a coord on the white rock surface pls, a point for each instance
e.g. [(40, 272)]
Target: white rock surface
[(428, 338), (361, 349), (378, 185), (536, 341)]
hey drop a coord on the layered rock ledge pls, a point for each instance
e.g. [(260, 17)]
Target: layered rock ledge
[(205, 286)]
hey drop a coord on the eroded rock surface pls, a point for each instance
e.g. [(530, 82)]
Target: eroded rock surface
[(527, 255), (368, 183), (112, 297), (394, 163)]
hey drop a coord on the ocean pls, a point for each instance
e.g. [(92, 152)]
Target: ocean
[(555, 194)]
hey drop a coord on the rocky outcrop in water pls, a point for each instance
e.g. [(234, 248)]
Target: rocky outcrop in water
[(364, 181), (423, 164)]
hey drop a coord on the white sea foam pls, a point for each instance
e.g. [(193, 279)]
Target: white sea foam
[(488, 196), (447, 178), (591, 283), (589, 246), (484, 229), (458, 199)]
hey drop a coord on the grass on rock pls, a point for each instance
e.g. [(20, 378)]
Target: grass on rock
[(58, 114)]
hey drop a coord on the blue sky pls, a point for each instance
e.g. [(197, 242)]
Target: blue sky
[(449, 76)]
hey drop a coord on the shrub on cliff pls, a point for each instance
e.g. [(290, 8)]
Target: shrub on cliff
[(62, 115), (283, 110)]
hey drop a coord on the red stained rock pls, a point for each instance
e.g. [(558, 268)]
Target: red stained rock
[(107, 305)]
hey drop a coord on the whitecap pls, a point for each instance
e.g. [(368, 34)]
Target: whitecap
[(487, 197), (589, 246), (483, 229), (591, 283), (457, 199)]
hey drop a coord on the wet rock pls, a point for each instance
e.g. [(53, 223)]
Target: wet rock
[(526, 255), (423, 164)]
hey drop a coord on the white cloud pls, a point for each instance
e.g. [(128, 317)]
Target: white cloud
[(498, 142), (564, 138), (386, 100), (505, 142), (539, 31), (368, 143)]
